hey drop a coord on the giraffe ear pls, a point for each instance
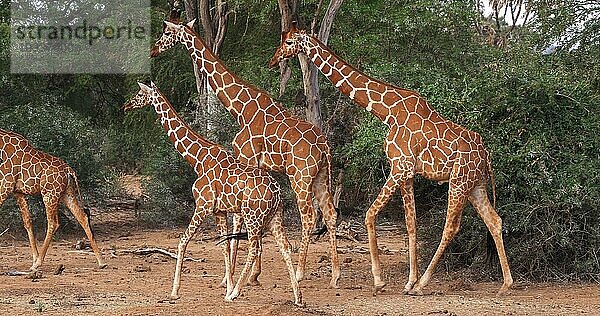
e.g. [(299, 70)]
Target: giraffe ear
[(144, 87), (191, 23), (152, 85), (294, 27)]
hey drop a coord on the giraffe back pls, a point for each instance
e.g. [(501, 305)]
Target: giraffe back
[(34, 171), (235, 187)]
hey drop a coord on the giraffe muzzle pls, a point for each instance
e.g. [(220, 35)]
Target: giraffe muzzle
[(273, 62), (127, 106)]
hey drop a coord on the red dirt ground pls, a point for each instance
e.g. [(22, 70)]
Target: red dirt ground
[(138, 285)]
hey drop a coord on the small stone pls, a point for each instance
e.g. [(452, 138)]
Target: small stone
[(81, 245), (141, 269), (59, 270)]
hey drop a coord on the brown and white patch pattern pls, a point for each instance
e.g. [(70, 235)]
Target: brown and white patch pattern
[(419, 141), (224, 185)]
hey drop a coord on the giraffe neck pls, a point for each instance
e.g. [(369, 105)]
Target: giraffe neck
[(190, 145), (236, 95), (364, 90)]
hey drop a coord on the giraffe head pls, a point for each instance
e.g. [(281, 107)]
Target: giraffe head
[(172, 34), (291, 44), (142, 98)]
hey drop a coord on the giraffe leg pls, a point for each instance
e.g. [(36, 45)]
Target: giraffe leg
[(238, 221), (480, 201), (322, 191), (221, 222), (74, 205), (26, 215), (197, 219), (7, 185), (51, 205), (384, 196), (254, 246), (284, 248), (410, 218), (307, 216), (457, 198), (256, 269)]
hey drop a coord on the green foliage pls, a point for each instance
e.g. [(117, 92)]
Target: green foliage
[(366, 164), (70, 138), (163, 207), (538, 115)]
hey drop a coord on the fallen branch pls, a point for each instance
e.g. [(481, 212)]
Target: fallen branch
[(148, 251), (359, 250), (2, 233), (83, 252), (16, 273)]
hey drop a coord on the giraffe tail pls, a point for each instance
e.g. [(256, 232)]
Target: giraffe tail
[(236, 236), (328, 186), (73, 175), (79, 199)]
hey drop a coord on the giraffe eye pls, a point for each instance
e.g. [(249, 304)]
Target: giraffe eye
[(289, 42), (168, 33)]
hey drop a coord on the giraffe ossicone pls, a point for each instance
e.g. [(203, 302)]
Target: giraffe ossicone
[(224, 185), (419, 141), (269, 138)]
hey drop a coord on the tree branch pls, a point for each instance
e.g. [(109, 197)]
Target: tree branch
[(148, 251)]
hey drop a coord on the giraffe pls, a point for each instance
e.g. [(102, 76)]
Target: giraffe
[(419, 141), (224, 185), (270, 138), (25, 170)]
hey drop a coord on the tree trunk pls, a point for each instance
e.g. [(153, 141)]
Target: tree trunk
[(213, 16), (287, 8), (311, 91), (309, 70), (199, 119)]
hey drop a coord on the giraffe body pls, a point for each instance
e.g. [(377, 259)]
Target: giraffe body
[(224, 185), (419, 141), (25, 170), (269, 138)]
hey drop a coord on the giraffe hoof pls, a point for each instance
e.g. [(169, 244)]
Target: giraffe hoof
[(378, 288), (229, 298), (254, 282), (223, 284), (415, 292), (102, 265), (173, 297), (504, 291), (34, 275), (299, 276)]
